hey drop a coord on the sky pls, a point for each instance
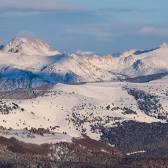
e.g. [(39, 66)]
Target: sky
[(101, 26)]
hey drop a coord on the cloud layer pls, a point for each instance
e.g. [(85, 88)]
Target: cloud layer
[(39, 5), (154, 30), (126, 9)]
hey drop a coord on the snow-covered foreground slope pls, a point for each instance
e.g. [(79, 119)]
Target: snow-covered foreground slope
[(87, 108)]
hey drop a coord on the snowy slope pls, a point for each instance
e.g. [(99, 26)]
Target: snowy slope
[(29, 137), (151, 62), (84, 68), (87, 108)]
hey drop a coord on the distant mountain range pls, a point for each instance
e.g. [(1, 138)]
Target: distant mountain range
[(26, 63)]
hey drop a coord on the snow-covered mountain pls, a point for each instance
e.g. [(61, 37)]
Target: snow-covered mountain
[(37, 95), (91, 67), (30, 62), (29, 54), (25, 46), (21, 61)]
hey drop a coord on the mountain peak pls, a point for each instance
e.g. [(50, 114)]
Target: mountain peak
[(128, 53), (26, 46)]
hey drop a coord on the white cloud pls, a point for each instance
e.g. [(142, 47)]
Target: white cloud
[(92, 32), (39, 5), (19, 13), (149, 30), (154, 30)]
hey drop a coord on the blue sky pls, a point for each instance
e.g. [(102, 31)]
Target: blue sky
[(103, 26)]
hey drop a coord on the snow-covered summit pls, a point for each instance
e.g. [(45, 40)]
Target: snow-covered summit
[(26, 46), (128, 53)]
